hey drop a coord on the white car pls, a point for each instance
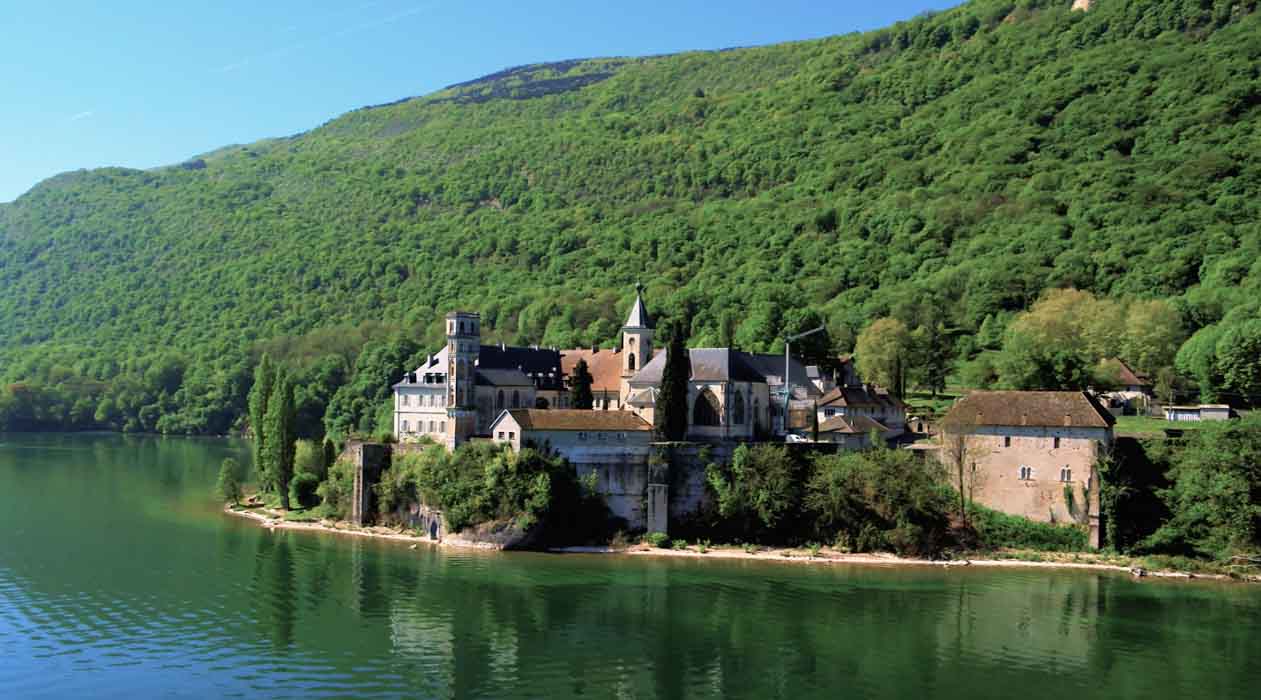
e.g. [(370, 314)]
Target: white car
[(795, 438)]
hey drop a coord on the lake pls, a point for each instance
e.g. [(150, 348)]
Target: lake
[(120, 577)]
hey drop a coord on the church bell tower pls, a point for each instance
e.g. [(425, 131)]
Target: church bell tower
[(636, 338)]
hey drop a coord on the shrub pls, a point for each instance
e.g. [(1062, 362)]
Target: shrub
[(679, 544), (879, 499), (335, 491), (995, 530), (303, 490), (659, 540), (757, 491)]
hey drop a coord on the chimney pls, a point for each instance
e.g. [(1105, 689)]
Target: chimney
[(1024, 419)]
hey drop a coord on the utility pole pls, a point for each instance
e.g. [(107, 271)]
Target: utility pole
[(788, 340)]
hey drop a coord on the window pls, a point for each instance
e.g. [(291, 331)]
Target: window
[(406, 427), (1066, 474), (737, 409), (706, 410), (516, 399), (1026, 473), (431, 427), (442, 427), (501, 434), (621, 437), (601, 436), (829, 412), (512, 435), (499, 400), (406, 400), (1056, 443), (630, 359), (582, 435), (1007, 441)]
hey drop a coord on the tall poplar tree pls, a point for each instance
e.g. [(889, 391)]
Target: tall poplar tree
[(280, 429), (260, 394), (671, 413), (580, 395)]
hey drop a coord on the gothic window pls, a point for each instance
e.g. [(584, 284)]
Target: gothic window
[(631, 341), (630, 362), (737, 409), (499, 401), (1066, 474), (706, 410), (757, 410), (1026, 473), (516, 399)]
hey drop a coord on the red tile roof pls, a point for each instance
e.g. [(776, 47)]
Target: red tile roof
[(575, 419), (605, 367)]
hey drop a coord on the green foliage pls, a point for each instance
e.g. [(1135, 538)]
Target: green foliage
[(336, 491), (303, 490), (260, 394), (483, 482), (758, 490), (671, 407), (959, 158), (228, 487), (997, 530), (279, 437), (882, 353), (1215, 492), (309, 459), (580, 387), (879, 499), (660, 540), (680, 545)]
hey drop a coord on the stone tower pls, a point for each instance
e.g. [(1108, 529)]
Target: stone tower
[(464, 342), (636, 337)]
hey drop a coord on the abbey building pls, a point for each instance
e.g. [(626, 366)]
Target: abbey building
[(461, 391)]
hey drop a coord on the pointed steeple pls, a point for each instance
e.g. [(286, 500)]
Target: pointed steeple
[(638, 315)]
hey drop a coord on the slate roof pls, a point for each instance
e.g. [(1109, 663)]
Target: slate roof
[(853, 425), (541, 365), (727, 365), (502, 377), (433, 364), (1046, 409), (605, 367), (638, 317), (575, 419)]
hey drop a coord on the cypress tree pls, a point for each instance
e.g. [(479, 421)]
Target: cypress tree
[(671, 413), (330, 454), (280, 441), (580, 387), (260, 394)]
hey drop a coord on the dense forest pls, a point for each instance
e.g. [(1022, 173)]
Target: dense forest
[(941, 175)]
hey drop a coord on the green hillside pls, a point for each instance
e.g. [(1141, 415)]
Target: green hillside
[(949, 168)]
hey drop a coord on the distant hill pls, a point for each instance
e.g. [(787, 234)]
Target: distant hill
[(953, 166)]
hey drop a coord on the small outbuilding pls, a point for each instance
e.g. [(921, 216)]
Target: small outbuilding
[(1198, 413)]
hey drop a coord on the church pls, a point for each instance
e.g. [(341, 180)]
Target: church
[(460, 392)]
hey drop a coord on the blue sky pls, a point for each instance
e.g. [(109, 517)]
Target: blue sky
[(142, 83)]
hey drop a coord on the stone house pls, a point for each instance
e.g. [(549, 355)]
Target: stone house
[(1030, 453), (884, 412)]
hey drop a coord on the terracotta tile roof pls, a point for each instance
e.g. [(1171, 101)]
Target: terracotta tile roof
[(605, 367), (854, 396), (1045, 409), (853, 425), (1128, 377), (574, 419)]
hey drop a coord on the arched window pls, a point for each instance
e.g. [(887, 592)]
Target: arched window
[(499, 401), (737, 409), (630, 362), (757, 412), (516, 399), (706, 410)]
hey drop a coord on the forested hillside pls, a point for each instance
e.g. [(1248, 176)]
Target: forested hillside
[(944, 172)]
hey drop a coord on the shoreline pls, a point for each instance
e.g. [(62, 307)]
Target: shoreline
[(785, 555)]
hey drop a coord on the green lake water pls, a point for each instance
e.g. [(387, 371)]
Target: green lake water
[(119, 577)]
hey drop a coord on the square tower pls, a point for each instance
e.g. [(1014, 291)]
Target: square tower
[(464, 343)]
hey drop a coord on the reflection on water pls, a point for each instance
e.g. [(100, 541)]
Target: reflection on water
[(119, 577)]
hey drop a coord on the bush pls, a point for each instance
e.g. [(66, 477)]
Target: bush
[(879, 499), (660, 540), (679, 545), (757, 491), (336, 490), (308, 458), (303, 490), (995, 530)]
